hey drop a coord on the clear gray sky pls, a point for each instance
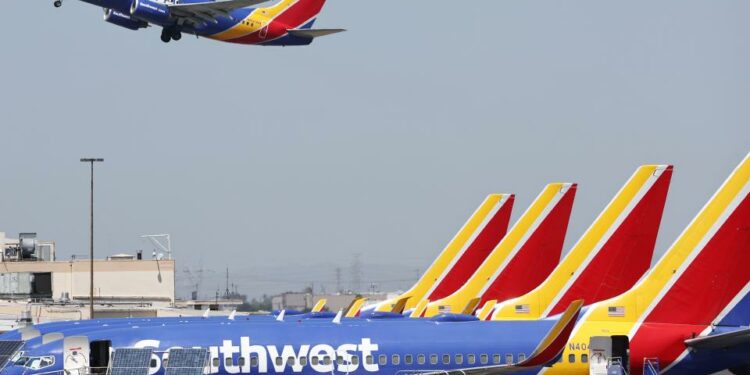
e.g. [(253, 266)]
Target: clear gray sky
[(280, 163)]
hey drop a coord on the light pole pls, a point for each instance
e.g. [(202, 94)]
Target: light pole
[(91, 161)]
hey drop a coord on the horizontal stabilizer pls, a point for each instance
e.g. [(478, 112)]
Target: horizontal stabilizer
[(720, 341), (313, 33)]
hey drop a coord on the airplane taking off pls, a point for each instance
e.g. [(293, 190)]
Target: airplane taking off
[(610, 257), (287, 23), (460, 258), (522, 259)]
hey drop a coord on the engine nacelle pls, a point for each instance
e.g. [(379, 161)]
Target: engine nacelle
[(151, 11), (121, 19)]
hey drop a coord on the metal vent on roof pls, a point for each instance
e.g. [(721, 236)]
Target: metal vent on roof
[(190, 361), (130, 361)]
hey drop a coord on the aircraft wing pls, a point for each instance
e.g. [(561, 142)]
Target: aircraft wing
[(209, 10), (545, 354), (720, 341)]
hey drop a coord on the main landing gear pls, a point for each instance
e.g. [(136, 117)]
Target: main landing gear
[(170, 33), (57, 3)]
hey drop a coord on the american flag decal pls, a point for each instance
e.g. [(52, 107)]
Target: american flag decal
[(444, 308), (522, 309), (616, 310)]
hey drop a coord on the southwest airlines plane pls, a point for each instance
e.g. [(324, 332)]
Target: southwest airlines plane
[(287, 23)]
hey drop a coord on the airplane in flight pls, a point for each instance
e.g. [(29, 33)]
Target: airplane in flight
[(287, 23), (612, 254)]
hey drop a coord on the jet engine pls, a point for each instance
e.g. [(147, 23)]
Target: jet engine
[(121, 19), (151, 11)]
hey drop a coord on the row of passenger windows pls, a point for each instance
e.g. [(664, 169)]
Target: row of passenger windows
[(395, 359)]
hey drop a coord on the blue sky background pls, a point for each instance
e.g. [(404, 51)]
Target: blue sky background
[(280, 163)]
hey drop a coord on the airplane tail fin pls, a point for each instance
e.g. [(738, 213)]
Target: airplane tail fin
[(702, 281), (523, 258), (463, 254), (610, 257), (319, 306), (354, 308), (297, 14)]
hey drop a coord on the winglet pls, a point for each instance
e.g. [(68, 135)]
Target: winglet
[(553, 344), (280, 317), (313, 33), (232, 314), (419, 309), (205, 313), (320, 305), (400, 305), (486, 310), (337, 318), (353, 310)]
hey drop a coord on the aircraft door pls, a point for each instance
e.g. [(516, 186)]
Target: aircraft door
[(600, 349), (609, 354), (76, 355), (99, 356), (263, 33)]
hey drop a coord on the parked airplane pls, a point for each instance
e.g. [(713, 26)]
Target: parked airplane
[(522, 259), (434, 346), (286, 23), (690, 314), (610, 256), (458, 261), (482, 231)]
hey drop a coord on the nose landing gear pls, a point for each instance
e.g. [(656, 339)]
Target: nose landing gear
[(170, 33)]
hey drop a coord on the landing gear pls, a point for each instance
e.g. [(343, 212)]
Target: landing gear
[(165, 36), (58, 3), (170, 33)]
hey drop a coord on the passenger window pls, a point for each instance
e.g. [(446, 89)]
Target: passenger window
[(303, 361), (240, 361), (253, 361), (459, 359), (383, 360), (153, 363), (355, 360), (571, 358), (471, 359), (446, 359), (509, 359), (340, 360), (584, 358), (314, 361), (521, 357), (496, 359), (291, 361), (277, 360), (326, 360), (408, 359), (395, 359), (215, 361), (433, 359), (483, 358), (420, 359), (369, 360)]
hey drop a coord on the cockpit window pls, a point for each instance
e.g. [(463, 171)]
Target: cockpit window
[(36, 363)]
